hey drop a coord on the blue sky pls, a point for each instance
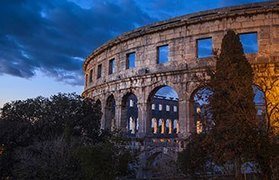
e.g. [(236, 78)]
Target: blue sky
[(44, 43)]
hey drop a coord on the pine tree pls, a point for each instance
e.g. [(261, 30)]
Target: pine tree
[(232, 106)]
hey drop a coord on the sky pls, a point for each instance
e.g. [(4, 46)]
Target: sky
[(43, 43)]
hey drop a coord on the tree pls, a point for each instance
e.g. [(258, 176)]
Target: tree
[(40, 138), (40, 135), (104, 160), (232, 106), (234, 138)]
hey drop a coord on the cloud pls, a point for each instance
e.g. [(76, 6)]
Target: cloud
[(56, 36)]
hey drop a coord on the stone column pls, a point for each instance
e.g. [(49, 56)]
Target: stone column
[(117, 115), (103, 104), (142, 115), (183, 118)]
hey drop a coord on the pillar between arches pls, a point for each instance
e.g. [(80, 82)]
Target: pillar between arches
[(183, 118), (117, 115), (103, 105), (142, 115)]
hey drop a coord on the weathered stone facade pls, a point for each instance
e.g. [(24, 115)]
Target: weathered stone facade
[(181, 35)]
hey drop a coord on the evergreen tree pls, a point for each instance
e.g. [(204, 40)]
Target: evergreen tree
[(233, 110)]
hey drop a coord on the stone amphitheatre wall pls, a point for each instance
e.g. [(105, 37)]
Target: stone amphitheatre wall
[(181, 35)]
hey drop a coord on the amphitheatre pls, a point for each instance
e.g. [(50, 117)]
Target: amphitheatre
[(124, 74)]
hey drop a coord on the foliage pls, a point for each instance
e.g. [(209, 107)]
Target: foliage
[(46, 160), (104, 161), (193, 158), (40, 139)]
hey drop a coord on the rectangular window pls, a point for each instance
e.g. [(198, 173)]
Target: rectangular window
[(160, 107), (99, 71), (204, 48), (131, 61), (163, 54), (131, 103), (91, 76), (167, 108), (153, 106), (111, 66), (174, 108), (249, 42)]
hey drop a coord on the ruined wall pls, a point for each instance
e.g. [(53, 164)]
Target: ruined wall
[(181, 35)]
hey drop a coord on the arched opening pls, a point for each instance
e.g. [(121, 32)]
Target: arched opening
[(161, 126), (169, 126), (259, 100), (154, 126), (162, 111), (129, 114), (110, 113), (201, 114)]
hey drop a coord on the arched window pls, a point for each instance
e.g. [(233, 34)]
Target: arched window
[(154, 127), (160, 126), (169, 126)]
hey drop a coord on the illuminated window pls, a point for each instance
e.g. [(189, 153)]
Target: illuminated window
[(154, 126), (167, 108), (160, 107), (99, 71), (163, 54), (175, 108), (161, 126), (168, 126), (131, 103), (204, 47), (132, 126), (131, 61), (111, 66), (199, 127), (175, 126), (249, 42), (153, 106)]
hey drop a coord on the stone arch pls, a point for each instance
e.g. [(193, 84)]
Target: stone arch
[(151, 90), (110, 113), (199, 114), (129, 110), (159, 109)]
